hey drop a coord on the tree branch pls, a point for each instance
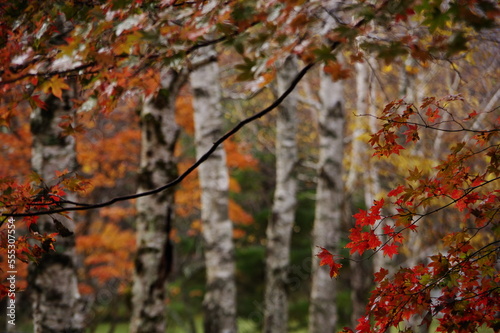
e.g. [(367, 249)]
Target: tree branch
[(278, 101), (84, 206)]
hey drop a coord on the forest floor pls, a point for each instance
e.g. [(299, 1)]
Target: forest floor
[(244, 326)]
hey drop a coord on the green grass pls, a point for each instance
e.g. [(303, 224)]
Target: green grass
[(244, 326), (120, 328)]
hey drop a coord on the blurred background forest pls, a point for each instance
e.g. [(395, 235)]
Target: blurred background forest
[(108, 149), (108, 155)]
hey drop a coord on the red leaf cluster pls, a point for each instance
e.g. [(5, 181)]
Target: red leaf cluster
[(462, 285)]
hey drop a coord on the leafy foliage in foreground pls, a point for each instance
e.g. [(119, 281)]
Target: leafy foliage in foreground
[(116, 48), (459, 285)]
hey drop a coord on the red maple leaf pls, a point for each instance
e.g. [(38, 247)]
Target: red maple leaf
[(372, 239), (412, 133), (327, 260), (471, 115), (377, 206), (390, 250), (396, 191), (380, 275), (432, 114), (388, 230), (363, 219), (364, 325)]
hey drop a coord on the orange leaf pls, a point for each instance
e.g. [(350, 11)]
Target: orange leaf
[(238, 215), (336, 71), (55, 86)]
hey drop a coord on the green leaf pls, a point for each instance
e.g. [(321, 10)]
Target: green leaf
[(239, 47), (243, 11), (149, 35), (391, 51), (347, 32), (245, 69), (120, 4), (324, 53), (436, 19), (457, 43)]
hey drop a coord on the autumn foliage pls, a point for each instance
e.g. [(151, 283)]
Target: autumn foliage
[(458, 285), (113, 53)]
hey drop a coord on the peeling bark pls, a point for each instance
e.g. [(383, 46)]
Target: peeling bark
[(53, 284), (220, 298), (329, 199), (279, 229), (158, 166)]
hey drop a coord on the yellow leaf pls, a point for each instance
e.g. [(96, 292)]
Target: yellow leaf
[(55, 86), (387, 68), (411, 69), (469, 57)]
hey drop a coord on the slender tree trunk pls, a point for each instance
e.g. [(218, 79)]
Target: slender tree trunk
[(279, 229), (53, 281), (412, 88), (362, 171), (155, 213), (329, 198), (220, 297)]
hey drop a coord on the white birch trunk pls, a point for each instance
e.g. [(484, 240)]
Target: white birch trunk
[(329, 198), (412, 89), (220, 298), (361, 170), (155, 213), (279, 229), (53, 281)]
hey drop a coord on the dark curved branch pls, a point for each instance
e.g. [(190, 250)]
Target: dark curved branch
[(83, 206)]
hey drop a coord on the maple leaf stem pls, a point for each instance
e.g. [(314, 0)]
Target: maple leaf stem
[(466, 192), (425, 125)]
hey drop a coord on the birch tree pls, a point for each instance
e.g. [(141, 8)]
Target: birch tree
[(368, 176), (220, 297), (329, 189), (155, 213), (329, 198), (279, 229), (53, 280)]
